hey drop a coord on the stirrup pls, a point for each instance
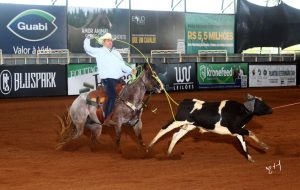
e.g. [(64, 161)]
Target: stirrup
[(109, 122)]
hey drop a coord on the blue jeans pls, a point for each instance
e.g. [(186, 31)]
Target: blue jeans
[(110, 88)]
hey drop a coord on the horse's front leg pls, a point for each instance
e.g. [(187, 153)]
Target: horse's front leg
[(118, 129), (138, 132)]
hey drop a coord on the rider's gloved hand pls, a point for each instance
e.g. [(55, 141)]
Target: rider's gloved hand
[(134, 71)]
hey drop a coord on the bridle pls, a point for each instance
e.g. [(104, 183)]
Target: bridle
[(137, 109), (152, 87)]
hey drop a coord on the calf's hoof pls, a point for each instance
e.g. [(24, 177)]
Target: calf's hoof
[(250, 159), (264, 146)]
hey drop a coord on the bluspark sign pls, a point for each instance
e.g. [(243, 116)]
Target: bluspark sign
[(32, 80)]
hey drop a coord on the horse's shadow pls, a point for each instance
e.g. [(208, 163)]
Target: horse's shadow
[(106, 143), (130, 149)]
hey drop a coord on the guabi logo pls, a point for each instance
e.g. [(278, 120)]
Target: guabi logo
[(33, 25), (5, 82)]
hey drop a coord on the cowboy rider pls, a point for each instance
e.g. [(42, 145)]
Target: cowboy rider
[(110, 65)]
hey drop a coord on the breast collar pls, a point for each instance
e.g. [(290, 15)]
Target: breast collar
[(139, 107)]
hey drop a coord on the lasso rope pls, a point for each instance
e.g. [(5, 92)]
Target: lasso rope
[(287, 105), (169, 98)]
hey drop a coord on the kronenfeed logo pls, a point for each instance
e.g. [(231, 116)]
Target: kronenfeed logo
[(33, 25), (215, 73)]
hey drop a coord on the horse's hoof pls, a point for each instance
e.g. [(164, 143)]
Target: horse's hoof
[(143, 145), (59, 146), (95, 142), (119, 151)]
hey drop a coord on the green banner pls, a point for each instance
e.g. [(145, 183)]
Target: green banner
[(227, 75), (75, 70), (78, 74), (209, 32)]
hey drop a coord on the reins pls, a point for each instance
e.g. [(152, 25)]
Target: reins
[(169, 98), (143, 103)]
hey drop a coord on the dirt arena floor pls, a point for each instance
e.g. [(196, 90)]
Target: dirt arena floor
[(28, 159)]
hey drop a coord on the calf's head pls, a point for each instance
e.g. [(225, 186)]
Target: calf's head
[(257, 106)]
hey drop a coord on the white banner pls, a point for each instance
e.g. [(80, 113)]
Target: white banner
[(272, 75), (85, 76)]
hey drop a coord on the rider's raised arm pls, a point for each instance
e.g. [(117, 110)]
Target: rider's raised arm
[(89, 49)]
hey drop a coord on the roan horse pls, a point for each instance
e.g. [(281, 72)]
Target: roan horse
[(127, 111)]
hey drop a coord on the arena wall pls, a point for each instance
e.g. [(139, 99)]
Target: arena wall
[(68, 79)]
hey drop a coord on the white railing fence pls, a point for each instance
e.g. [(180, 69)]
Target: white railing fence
[(53, 56)]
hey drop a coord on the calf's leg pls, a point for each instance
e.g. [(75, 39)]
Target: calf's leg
[(167, 129), (184, 130), (262, 144), (244, 146)]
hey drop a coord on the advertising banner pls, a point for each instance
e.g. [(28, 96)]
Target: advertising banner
[(32, 80), (157, 30), (272, 75), (80, 74), (298, 74), (27, 28), (177, 77), (83, 21), (226, 75), (209, 32)]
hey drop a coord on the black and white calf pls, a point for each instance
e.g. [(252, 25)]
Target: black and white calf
[(227, 117)]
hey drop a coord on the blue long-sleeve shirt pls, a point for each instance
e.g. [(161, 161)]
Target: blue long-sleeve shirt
[(109, 62)]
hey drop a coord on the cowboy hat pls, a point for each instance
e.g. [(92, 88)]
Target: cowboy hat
[(106, 36)]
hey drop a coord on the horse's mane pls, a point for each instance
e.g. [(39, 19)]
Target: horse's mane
[(127, 86)]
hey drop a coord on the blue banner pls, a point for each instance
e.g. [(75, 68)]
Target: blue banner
[(177, 77), (27, 28), (32, 80), (154, 30)]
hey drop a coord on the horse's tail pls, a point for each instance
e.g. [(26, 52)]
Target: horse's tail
[(66, 131)]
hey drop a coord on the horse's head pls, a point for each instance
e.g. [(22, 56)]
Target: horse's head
[(151, 81)]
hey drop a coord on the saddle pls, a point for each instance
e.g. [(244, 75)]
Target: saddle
[(99, 99)]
